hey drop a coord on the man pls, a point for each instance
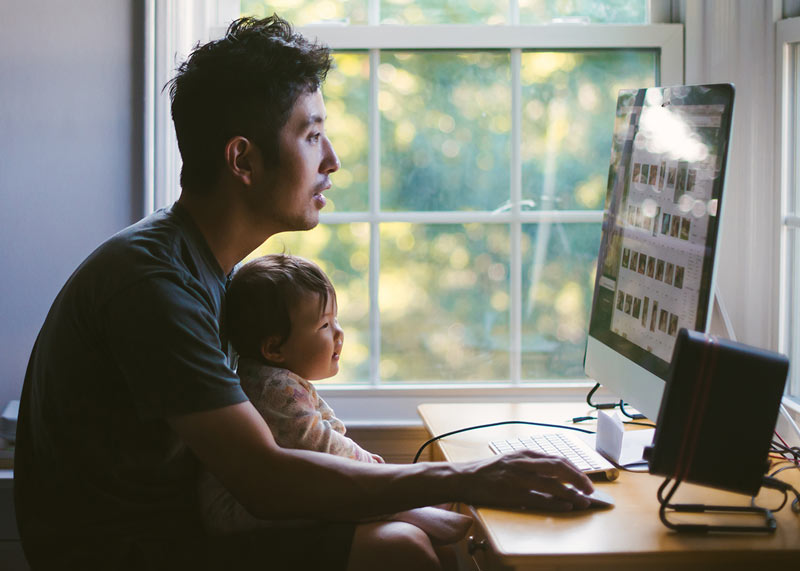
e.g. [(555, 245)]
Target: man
[(128, 389)]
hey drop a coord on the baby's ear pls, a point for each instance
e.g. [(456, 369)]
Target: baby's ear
[(271, 349)]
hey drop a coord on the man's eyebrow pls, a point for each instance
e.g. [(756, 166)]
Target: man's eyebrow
[(313, 120)]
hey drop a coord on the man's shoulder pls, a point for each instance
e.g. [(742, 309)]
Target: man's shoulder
[(161, 245), (161, 239)]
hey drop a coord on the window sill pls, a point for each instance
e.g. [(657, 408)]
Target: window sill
[(397, 405)]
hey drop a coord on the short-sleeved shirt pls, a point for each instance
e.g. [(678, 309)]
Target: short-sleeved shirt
[(132, 339)]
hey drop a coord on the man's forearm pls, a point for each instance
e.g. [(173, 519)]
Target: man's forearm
[(322, 486), (236, 445)]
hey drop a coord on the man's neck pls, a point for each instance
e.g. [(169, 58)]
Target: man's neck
[(224, 226)]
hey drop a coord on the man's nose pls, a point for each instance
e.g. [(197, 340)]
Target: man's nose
[(330, 162)]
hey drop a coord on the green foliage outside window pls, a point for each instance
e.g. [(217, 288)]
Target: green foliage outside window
[(445, 145)]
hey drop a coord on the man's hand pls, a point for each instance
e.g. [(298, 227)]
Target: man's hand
[(525, 480)]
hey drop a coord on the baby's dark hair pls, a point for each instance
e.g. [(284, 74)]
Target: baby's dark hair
[(244, 84), (260, 294)]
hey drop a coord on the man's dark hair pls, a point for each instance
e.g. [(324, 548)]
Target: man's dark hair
[(261, 294), (244, 84)]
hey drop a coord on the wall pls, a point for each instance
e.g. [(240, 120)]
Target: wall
[(70, 151), (733, 41)]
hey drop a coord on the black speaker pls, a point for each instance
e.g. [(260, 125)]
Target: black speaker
[(718, 413)]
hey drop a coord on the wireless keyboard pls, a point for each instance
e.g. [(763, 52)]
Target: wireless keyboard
[(560, 444)]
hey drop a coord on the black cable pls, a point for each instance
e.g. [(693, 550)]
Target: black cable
[(792, 466), (636, 416), (780, 448), (774, 487), (452, 432), (602, 405)]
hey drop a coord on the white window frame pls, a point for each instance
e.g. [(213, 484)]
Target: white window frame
[(375, 402), (788, 103)]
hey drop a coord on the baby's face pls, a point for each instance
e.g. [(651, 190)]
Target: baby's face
[(315, 342)]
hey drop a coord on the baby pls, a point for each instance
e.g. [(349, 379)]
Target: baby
[(281, 317)]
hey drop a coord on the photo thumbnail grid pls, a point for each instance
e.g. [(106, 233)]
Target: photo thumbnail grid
[(647, 312)]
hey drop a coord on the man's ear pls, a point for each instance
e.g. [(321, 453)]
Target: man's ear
[(241, 157), (271, 349)]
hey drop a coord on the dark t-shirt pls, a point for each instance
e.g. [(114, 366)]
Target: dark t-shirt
[(131, 339)]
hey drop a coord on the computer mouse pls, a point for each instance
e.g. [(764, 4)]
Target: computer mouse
[(597, 499), (600, 499)]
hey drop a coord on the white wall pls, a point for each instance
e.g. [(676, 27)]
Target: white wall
[(733, 41), (70, 152)]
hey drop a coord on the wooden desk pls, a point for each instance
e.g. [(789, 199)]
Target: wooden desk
[(627, 536)]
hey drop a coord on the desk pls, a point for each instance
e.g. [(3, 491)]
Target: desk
[(627, 536)]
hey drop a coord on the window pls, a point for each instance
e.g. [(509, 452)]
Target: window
[(788, 51), (463, 227)]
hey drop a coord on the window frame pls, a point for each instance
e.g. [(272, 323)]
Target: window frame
[(788, 104), (165, 37)]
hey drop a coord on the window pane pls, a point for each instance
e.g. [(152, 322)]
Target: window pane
[(444, 11), (444, 302), (342, 251), (304, 12), (594, 11), (794, 197), (793, 235), (347, 103), (793, 345), (568, 105), (558, 267), (445, 130)]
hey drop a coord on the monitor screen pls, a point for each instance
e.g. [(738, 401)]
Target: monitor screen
[(655, 268)]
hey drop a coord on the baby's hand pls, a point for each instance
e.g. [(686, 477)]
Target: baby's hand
[(377, 459)]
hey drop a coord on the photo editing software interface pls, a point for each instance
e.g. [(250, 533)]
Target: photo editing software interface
[(656, 260)]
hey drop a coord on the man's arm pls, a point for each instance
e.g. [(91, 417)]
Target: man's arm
[(236, 445)]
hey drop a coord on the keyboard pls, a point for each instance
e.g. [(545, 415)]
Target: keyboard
[(565, 445)]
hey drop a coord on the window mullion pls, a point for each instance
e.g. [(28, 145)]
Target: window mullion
[(513, 12), (374, 12), (374, 210), (515, 270)]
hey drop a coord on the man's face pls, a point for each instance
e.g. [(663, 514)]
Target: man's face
[(289, 196), (315, 340)]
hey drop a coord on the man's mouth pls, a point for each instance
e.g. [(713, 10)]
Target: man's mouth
[(319, 198)]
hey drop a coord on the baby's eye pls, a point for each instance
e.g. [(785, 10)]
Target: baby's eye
[(324, 325)]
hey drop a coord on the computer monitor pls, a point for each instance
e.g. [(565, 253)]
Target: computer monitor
[(656, 265)]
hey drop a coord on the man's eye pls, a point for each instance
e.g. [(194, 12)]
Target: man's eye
[(315, 137)]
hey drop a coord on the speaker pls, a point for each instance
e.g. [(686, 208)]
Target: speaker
[(718, 413)]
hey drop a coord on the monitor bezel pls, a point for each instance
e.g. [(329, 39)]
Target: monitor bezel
[(635, 375)]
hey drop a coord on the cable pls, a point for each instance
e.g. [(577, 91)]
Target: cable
[(452, 432), (793, 464), (773, 483), (600, 406), (636, 416), (786, 452), (780, 489)]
